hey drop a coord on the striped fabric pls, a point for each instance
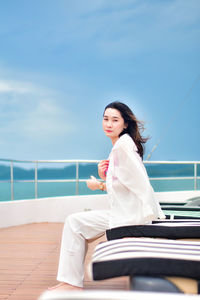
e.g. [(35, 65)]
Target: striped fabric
[(147, 257), (177, 221), (159, 229)]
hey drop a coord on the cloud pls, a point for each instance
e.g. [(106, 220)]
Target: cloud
[(45, 122), (131, 27), (29, 113), (104, 28), (15, 87), (181, 13)]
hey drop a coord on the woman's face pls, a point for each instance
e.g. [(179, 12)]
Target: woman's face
[(113, 123)]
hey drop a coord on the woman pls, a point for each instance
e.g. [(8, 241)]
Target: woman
[(128, 187)]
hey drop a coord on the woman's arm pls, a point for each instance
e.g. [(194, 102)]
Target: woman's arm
[(95, 184)]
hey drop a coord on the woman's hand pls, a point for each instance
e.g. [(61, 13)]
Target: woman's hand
[(93, 183), (102, 168)]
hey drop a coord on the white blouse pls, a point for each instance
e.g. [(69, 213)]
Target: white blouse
[(128, 186)]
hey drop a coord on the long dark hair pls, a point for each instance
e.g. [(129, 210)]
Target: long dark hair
[(134, 127)]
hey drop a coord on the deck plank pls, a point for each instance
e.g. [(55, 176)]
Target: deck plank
[(29, 258)]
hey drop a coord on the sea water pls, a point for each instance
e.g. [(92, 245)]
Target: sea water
[(26, 190)]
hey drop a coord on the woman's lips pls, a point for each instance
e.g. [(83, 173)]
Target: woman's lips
[(108, 130)]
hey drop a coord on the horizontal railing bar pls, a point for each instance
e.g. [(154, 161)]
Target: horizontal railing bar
[(171, 162), (84, 180), (56, 180), (3, 181), (95, 161), (52, 161), (43, 180), (172, 178)]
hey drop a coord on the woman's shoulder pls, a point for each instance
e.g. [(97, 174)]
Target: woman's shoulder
[(125, 141)]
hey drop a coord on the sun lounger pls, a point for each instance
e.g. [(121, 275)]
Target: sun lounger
[(158, 229), (150, 253), (188, 211), (148, 262)]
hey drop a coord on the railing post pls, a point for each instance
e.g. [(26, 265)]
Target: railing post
[(11, 180), (77, 178), (195, 176), (36, 179)]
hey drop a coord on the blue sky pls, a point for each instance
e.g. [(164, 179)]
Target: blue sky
[(62, 61)]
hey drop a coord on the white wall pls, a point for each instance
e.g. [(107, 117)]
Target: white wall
[(56, 209)]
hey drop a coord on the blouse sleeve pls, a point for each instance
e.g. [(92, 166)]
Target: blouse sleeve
[(130, 170)]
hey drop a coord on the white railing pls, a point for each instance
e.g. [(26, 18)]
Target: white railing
[(195, 176), (77, 180)]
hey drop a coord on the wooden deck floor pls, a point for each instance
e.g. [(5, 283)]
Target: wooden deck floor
[(29, 258)]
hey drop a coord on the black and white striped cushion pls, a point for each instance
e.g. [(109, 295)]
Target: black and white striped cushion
[(146, 256), (159, 229)]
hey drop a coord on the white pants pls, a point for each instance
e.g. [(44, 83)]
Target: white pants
[(78, 228)]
